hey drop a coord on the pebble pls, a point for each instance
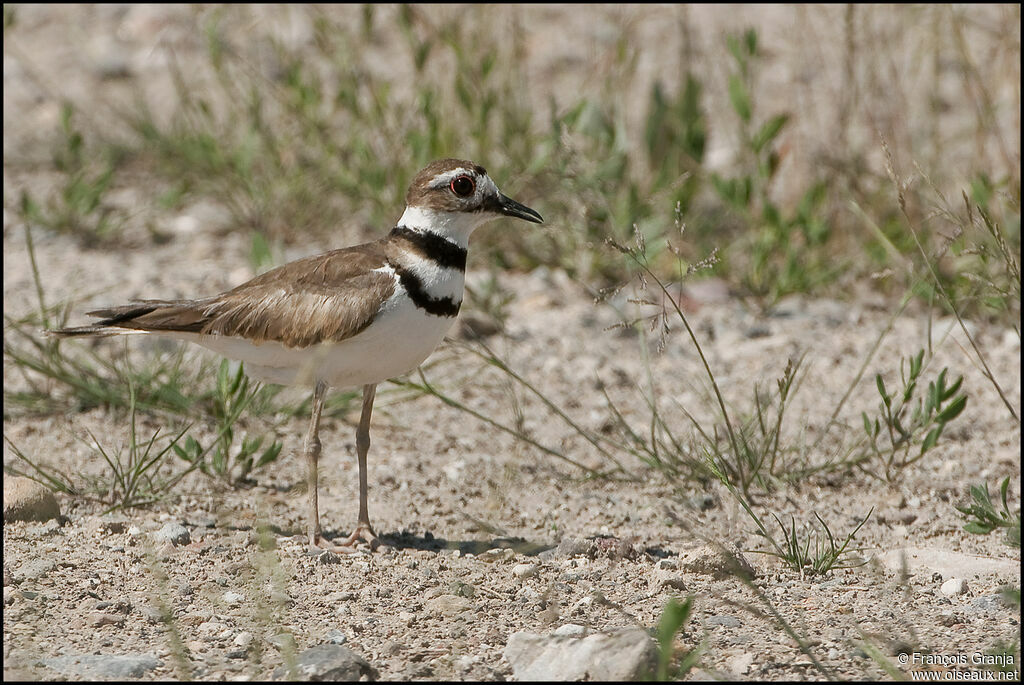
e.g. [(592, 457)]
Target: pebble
[(101, 618), (174, 533), (989, 603), (27, 500), (722, 620), (716, 562), (328, 557), (496, 554), (627, 654), (568, 547), (523, 571), (210, 628), (232, 597), (953, 587), (152, 614), (448, 605), (103, 666), (34, 568), (329, 662), (669, 579), (282, 641), (243, 639), (570, 630), (335, 637), (740, 664)]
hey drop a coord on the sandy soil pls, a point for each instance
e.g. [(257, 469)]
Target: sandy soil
[(440, 599)]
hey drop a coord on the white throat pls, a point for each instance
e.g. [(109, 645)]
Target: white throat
[(455, 226)]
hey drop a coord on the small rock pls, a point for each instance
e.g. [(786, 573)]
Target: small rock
[(210, 628), (35, 568), (111, 526), (27, 500), (45, 529), (702, 502), (953, 587), (393, 648), (741, 663), (568, 547), (103, 666), (474, 325), (669, 579), (667, 564), (153, 614), (328, 557), (282, 641), (243, 639), (627, 654), (449, 605), (329, 662), (460, 589), (715, 561), (496, 554), (232, 597), (722, 620), (989, 603), (570, 630), (113, 65), (335, 637), (174, 533), (523, 571)]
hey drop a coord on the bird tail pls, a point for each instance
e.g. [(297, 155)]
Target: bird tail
[(115, 320)]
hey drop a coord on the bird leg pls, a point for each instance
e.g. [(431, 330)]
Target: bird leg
[(311, 450), (363, 530)]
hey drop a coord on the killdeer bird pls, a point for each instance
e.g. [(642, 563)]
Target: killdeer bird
[(346, 318)]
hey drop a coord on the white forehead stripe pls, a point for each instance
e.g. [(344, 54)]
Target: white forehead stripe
[(442, 180)]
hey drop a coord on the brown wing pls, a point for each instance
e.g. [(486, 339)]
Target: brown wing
[(326, 298)]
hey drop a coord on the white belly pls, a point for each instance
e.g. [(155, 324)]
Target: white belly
[(397, 341)]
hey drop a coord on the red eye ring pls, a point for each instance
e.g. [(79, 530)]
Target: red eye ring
[(463, 186)]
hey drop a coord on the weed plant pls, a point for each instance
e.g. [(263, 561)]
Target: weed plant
[(983, 517), (897, 440)]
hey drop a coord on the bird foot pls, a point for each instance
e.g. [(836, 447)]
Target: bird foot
[(347, 545)]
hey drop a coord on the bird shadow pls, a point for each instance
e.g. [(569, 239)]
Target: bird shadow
[(427, 542)]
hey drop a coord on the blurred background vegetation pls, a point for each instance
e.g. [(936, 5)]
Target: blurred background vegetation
[(809, 145), (835, 151)]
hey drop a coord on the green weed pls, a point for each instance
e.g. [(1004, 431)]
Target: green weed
[(983, 517), (899, 437), (135, 477), (86, 175), (222, 458), (674, 664)]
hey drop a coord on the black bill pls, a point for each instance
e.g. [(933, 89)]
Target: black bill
[(510, 207)]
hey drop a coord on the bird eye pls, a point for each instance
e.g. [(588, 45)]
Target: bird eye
[(463, 186)]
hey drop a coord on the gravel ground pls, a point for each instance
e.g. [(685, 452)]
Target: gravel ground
[(484, 535)]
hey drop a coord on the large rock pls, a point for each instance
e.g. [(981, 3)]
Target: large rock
[(627, 654), (329, 663), (27, 500), (103, 666)]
